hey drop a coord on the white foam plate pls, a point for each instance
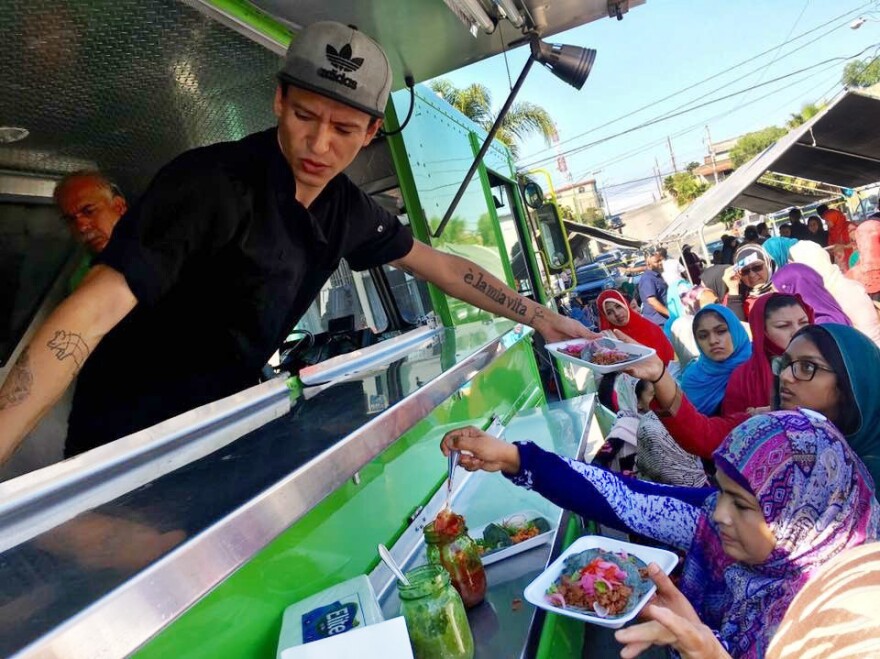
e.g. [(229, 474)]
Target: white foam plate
[(513, 550), (639, 353), (535, 591)]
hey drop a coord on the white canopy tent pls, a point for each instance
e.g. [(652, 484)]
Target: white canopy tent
[(840, 146)]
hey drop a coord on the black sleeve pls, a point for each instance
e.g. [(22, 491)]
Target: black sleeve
[(190, 209), (380, 239)]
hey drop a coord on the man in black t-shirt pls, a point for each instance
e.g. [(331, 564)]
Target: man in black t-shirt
[(208, 272), (798, 230)]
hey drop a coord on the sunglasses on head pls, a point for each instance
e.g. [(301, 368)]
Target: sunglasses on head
[(751, 269), (802, 369)]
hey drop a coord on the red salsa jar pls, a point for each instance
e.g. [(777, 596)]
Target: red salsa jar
[(449, 545)]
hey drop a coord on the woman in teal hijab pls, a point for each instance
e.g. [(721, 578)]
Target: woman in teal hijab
[(855, 362), (723, 344), (778, 247)]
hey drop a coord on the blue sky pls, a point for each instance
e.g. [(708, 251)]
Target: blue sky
[(662, 47)]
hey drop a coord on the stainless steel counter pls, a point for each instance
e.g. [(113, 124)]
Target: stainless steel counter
[(501, 628), (182, 525)]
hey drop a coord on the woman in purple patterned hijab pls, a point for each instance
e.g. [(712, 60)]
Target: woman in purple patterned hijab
[(791, 495), (799, 279), (815, 499)]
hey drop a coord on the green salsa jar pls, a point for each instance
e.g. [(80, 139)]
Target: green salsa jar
[(435, 618)]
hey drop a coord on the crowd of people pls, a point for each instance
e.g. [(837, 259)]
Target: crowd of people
[(756, 435)]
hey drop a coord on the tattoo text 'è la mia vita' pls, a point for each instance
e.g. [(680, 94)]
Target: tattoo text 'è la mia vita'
[(515, 305)]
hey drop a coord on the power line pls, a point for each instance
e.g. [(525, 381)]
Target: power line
[(660, 119), (689, 108), (695, 126), (776, 55), (717, 75)]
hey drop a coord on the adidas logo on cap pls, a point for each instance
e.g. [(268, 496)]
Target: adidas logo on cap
[(343, 59), (341, 63)]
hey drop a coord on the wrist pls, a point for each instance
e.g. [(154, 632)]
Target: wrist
[(659, 377), (540, 318), (511, 461)]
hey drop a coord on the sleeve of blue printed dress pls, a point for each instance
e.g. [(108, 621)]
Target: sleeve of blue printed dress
[(665, 513)]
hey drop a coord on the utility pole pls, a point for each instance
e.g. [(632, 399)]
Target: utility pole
[(657, 174), (672, 154), (712, 153)]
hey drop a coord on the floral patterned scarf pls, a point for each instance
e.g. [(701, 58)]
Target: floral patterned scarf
[(818, 499)]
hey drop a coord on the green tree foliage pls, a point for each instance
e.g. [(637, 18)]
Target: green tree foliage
[(807, 112), (592, 216), (692, 166), (684, 187), (523, 119), (728, 216), (862, 73), (751, 144), (454, 232), (595, 217), (486, 230)]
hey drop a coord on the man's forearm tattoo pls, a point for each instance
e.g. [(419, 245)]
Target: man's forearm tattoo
[(18, 385), (513, 303), (67, 344), (538, 315)]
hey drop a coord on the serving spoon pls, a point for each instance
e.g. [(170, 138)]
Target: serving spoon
[(385, 555)]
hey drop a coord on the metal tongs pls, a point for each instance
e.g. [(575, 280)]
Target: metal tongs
[(454, 457)]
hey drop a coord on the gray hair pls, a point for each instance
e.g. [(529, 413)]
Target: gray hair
[(99, 177)]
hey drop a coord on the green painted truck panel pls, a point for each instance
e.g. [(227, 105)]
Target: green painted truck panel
[(337, 540)]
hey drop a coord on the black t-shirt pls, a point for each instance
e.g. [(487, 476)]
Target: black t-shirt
[(223, 262)]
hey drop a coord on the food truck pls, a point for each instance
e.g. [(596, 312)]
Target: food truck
[(191, 538)]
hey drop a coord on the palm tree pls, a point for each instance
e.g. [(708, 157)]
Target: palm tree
[(475, 102)]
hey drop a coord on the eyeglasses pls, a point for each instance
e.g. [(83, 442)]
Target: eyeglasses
[(751, 270), (802, 369)]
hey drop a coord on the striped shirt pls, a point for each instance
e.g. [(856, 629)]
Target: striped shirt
[(837, 614)]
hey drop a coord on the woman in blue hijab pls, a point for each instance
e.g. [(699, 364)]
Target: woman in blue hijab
[(723, 344), (778, 248)]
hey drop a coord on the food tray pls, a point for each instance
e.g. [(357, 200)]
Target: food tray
[(513, 550), (639, 353), (535, 591)]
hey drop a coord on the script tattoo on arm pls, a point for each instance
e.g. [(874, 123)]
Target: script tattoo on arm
[(18, 385), (538, 315), (513, 304), (67, 344)]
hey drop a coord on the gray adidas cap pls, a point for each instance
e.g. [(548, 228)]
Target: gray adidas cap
[(339, 62)]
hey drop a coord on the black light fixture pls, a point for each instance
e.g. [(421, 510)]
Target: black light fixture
[(571, 64)]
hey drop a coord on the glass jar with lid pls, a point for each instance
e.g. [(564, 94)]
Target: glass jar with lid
[(435, 618), (450, 545)]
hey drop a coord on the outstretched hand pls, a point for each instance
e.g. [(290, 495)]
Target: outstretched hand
[(480, 450), (556, 327), (671, 620), (649, 369)]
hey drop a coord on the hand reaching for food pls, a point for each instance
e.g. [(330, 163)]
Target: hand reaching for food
[(480, 450), (649, 369)]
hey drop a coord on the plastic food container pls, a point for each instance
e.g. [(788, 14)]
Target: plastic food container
[(495, 555), (333, 611), (639, 353), (535, 591)]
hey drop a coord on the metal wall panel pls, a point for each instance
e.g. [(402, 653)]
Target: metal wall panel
[(124, 85)]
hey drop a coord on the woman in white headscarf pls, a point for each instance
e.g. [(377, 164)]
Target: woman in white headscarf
[(850, 295)]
